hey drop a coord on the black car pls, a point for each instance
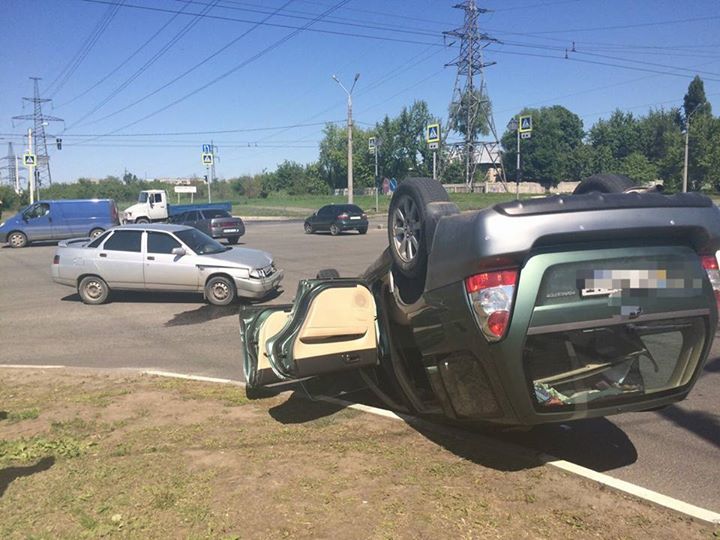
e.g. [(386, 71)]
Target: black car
[(214, 222), (337, 218)]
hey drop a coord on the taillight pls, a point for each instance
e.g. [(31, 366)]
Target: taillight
[(343, 216), (364, 216), (491, 296), (56, 259), (710, 264)]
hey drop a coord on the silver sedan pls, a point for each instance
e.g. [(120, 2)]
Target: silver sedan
[(161, 257)]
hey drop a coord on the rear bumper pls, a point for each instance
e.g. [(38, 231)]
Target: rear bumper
[(233, 232), (348, 224), (258, 288)]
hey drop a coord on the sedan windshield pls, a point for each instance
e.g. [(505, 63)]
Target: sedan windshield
[(200, 242), (212, 213)]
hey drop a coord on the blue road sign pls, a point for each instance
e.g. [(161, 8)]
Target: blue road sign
[(525, 124), (207, 149)]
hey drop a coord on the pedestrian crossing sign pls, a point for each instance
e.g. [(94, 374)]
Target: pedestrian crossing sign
[(29, 160), (525, 124), (433, 133), (207, 158)]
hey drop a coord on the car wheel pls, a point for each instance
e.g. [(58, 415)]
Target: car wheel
[(17, 239), (233, 240), (362, 230), (142, 220), (95, 233), (220, 291), (334, 230), (407, 217), (93, 290), (309, 228), (604, 183), (327, 273)]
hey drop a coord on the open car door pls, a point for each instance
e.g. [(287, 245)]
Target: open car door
[(331, 327)]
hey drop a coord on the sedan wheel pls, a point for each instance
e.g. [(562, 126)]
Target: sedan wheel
[(334, 230), (17, 239), (95, 233), (406, 227), (308, 228), (220, 291), (93, 290)]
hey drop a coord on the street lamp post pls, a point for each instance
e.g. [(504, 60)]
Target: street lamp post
[(687, 144), (349, 127)]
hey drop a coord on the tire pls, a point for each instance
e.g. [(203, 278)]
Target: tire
[(327, 273), (362, 230), (93, 290), (308, 228), (604, 183), (334, 230), (95, 233), (233, 240), (16, 239), (220, 291), (408, 234), (142, 220)]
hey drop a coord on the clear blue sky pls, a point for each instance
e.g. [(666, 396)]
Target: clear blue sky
[(631, 55)]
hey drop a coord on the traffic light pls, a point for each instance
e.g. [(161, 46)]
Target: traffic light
[(58, 142), (205, 177)]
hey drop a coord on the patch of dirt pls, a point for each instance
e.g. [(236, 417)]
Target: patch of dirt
[(100, 454)]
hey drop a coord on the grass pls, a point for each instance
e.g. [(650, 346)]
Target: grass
[(143, 457)]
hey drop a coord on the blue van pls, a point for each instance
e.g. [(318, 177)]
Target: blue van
[(57, 220)]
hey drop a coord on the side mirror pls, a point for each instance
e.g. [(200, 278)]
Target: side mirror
[(178, 251)]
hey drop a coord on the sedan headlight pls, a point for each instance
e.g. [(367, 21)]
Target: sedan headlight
[(267, 271), (2, 225)]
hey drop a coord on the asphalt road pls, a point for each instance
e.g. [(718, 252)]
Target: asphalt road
[(674, 451)]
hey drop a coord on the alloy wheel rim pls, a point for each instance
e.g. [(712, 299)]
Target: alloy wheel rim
[(16, 240), (406, 230)]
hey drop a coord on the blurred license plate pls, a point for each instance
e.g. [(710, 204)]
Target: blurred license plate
[(230, 230), (355, 217)]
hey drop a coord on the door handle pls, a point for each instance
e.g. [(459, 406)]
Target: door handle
[(103, 254), (151, 258)]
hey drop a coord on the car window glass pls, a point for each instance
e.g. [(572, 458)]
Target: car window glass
[(158, 197), (191, 216), (325, 211), (178, 218), (99, 240), (37, 210), (158, 242), (212, 213), (124, 241)]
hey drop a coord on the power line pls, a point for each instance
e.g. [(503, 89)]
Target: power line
[(263, 52), (86, 47), (159, 54), (124, 62), (191, 69)]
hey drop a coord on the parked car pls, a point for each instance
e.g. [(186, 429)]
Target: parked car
[(214, 222), (527, 312), (163, 257), (337, 218), (56, 220), (153, 206)]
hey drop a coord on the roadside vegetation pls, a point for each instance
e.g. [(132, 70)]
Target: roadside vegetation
[(648, 149), (88, 455)]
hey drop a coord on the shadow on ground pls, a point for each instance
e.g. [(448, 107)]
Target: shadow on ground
[(703, 425), (3, 415), (206, 312), (8, 474), (145, 297)]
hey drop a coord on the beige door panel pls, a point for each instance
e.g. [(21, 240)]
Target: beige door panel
[(339, 320), (272, 325)]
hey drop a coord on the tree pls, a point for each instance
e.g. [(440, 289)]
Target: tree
[(620, 134), (695, 101), (471, 114), (552, 154)]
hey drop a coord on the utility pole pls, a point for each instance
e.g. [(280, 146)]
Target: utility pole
[(30, 168), (11, 166), (687, 148), (349, 127), (470, 96), (40, 120)]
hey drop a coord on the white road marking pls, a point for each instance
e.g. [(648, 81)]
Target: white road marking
[(639, 492), (30, 366)]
